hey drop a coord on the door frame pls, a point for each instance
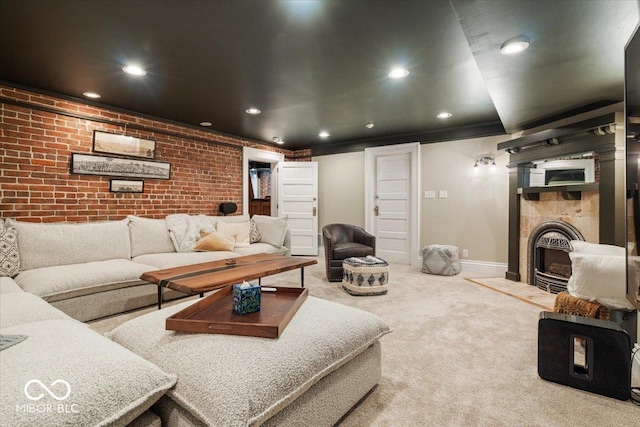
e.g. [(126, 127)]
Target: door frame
[(370, 155), (264, 156)]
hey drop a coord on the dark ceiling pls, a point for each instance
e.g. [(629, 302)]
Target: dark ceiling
[(323, 65)]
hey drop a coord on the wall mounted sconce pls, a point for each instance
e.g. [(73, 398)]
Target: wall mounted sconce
[(488, 159)]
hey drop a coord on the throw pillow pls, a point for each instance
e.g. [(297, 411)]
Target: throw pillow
[(273, 230), (599, 278), (254, 234), (214, 241), (9, 256), (239, 231)]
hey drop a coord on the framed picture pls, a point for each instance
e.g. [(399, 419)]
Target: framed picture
[(88, 164), (111, 143), (126, 186)]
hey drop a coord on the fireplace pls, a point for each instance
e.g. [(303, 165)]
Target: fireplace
[(548, 255)]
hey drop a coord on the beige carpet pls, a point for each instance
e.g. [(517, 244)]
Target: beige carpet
[(461, 354)]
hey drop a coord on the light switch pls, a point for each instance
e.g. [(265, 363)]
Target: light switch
[(443, 194), (430, 194)]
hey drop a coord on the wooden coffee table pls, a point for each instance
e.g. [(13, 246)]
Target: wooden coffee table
[(209, 276)]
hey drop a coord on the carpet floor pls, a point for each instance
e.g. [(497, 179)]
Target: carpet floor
[(462, 353)]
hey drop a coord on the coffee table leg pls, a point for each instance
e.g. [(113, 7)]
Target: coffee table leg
[(302, 277), (259, 281), (201, 294), (159, 297)]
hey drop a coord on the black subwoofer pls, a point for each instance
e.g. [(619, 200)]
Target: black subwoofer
[(228, 208), (587, 354)]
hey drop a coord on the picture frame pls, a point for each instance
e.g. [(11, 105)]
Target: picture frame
[(111, 143), (90, 164), (126, 186)]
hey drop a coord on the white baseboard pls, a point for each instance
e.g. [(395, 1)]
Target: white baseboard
[(484, 268)]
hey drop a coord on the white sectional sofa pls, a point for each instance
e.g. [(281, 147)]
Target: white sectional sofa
[(89, 379), (91, 270), (57, 371)]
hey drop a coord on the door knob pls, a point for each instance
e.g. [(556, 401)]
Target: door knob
[(376, 210)]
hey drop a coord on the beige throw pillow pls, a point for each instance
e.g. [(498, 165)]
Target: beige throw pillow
[(214, 242), (239, 231), (272, 230)]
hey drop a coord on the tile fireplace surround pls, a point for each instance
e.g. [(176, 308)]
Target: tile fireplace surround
[(582, 214)]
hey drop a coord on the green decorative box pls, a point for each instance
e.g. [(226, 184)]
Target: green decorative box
[(246, 298)]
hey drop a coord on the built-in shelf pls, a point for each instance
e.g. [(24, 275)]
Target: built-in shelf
[(569, 192)]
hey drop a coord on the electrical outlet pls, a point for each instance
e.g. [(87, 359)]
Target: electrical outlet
[(429, 194), (443, 194), (465, 253)]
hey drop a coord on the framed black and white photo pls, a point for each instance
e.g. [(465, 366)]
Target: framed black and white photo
[(111, 143), (88, 164), (126, 186)]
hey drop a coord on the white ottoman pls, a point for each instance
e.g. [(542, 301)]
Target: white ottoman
[(441, 260), (365, 276)]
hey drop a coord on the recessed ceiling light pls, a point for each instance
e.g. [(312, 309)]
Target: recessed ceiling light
[(134, 70), (324, 134), (444, 115), (369, 125), (398, 73), (205, 123), (91, 95), (253, 111), (514, 45)]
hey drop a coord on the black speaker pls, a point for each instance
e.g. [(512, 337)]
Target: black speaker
[(588, 354), (227, 208)]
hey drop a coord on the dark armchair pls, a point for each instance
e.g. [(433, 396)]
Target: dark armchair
[(343, 241)]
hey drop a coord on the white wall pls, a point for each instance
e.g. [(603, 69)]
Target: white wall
[(475, 214), (473, 217)]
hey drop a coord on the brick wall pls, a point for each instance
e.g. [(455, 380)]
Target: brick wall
[(35, 152)]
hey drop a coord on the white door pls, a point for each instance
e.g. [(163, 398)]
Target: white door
[(298, 201), (392, 203)]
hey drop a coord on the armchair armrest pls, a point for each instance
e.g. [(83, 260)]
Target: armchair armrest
[(362, 237)]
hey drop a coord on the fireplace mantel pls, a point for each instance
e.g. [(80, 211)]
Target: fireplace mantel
[(582, 137), (569, 192)]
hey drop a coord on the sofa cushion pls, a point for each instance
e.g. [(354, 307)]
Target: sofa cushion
[(8, 285), (232, 218), (162, 261), (260, 248), (272, 230), (239, 231), (68, 281), (250, 379), (149, 236), (214, 241), (22, 307), (107, 385), (9, 256), (51, 244)]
